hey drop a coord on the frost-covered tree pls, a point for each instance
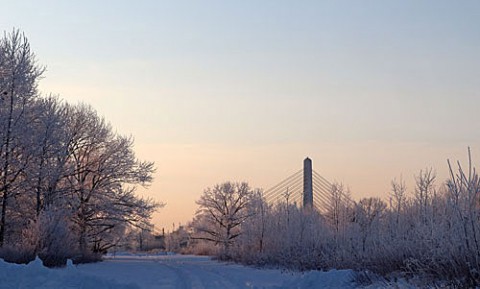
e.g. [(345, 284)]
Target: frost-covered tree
[(339, 210), (431, 232), (296, 241), (425, 192), (368, 212), (19, 75), (55, 236), (464, 220), (64, 173), (49, 151), (398, 199), (222, 210), (255, 227), (104, 173)]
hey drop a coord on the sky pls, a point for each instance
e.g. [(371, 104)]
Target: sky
[(216, 91)]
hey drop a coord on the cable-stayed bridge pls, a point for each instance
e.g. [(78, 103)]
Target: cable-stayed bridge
[(305, 188)]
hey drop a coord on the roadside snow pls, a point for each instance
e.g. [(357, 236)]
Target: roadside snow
[(172, 271), (35, 275)]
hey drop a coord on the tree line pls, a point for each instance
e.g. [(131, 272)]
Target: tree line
[(67, 179), (432, 232)]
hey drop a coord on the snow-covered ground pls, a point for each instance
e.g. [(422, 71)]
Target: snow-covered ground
[(172, 271)]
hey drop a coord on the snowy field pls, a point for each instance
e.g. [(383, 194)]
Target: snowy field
[(173, 271)]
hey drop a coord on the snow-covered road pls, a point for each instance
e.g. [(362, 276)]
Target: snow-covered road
[(185, 272), (173, 271)]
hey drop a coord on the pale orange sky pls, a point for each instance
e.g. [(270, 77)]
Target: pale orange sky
[(366, 168), (245, 90)]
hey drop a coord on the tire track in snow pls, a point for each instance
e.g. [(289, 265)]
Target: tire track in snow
[(196, 276), (185, 272)]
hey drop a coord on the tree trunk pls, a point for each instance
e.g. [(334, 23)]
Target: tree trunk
[(6, 168)]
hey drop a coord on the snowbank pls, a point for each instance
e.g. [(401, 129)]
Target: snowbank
[(332, 279), (35, 275), (131, 271)]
